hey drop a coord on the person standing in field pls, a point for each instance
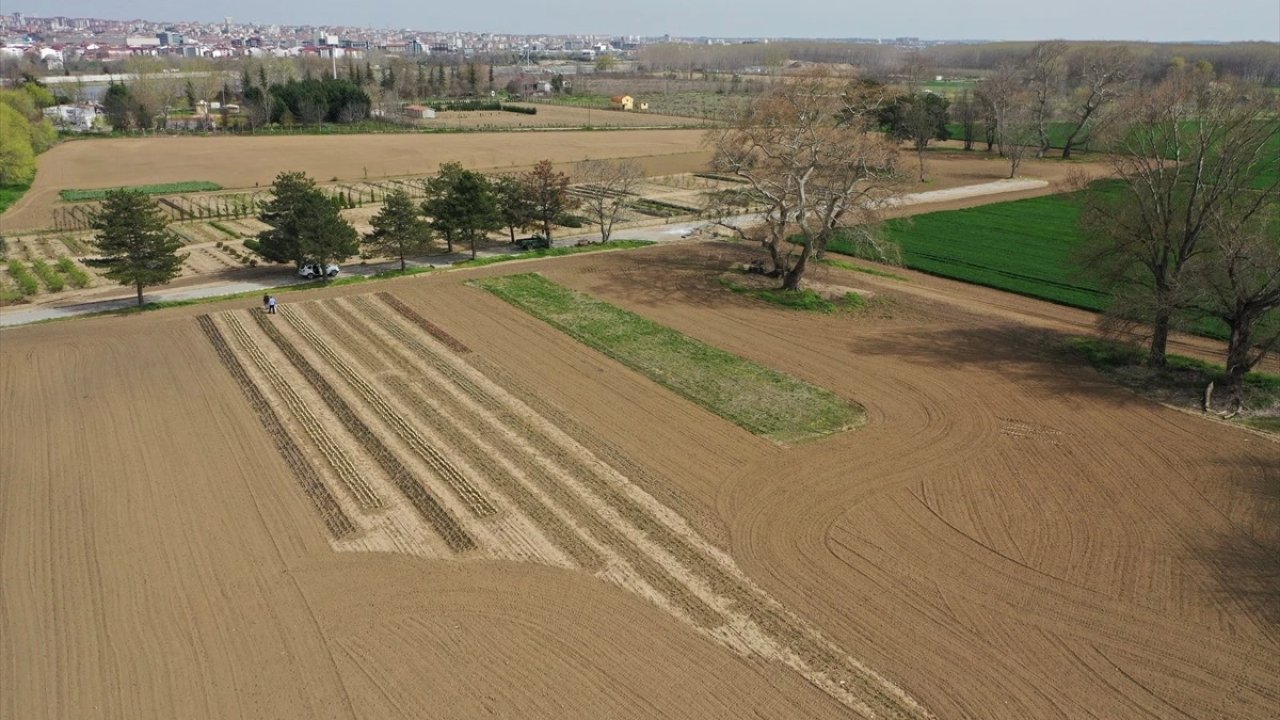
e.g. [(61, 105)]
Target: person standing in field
[(266, 303), (271, 305)]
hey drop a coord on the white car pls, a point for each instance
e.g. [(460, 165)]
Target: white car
[(312, 271)]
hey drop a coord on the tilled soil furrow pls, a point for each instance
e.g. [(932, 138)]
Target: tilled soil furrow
[(647, 567), (430, 508), (559, 532), (787, 631), (471, 497), (449, 428), (337, 522), (359, 490), (432, 329)]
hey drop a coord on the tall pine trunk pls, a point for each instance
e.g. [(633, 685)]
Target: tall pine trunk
[(139, 294)]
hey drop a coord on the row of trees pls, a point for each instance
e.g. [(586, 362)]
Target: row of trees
[(1193, 229), (461, 207)]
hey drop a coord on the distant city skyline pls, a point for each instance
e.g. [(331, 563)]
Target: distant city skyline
[(1134, 20)]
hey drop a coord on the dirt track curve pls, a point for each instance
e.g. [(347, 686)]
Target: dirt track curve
[(482, 517)]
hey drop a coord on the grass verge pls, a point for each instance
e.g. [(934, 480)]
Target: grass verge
[(759, 399), (1182, 383), (845, 265), (553, 252), (161, 189)]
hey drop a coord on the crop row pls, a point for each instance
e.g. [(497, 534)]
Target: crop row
[(430, 508), (641, 562), (325, 504), (432, 329), (356, 486), (498, 473), (461, 486)]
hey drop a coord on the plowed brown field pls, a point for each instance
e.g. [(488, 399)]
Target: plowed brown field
[(247, 162), (419, 502)]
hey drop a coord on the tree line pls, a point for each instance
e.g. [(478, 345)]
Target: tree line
[(462, 207)]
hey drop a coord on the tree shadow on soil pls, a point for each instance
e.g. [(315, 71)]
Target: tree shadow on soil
[(671, 278), (1036, 360), (1245, 562)]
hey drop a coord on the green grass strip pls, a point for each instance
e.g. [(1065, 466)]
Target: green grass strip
[(162, 189), (554, 252), (759, 399), (10, 194)]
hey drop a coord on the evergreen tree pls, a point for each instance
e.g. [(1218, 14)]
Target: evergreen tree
[(461, 205), (398, 229), (137, 248)]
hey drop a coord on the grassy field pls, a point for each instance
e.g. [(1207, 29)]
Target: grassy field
[(1023, 247), (9, 194), (161, 189), (757, 398)]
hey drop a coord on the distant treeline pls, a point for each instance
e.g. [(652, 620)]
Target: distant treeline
[(1249, 61)]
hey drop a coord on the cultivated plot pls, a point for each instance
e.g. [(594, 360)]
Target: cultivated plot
[(405, 441)]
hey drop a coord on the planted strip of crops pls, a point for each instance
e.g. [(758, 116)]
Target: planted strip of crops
[(78, 277), (436, 515), (360, 491), (330, 511), (644, 565), (26, 282), (461, 486), (552, 525), (432, 329)]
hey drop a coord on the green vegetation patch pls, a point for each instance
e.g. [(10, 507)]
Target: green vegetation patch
[(1024, 246), (22, 277), (1183, 382), (161, 189), (759, 399), (554, 252), (10, 194), (845, 265)]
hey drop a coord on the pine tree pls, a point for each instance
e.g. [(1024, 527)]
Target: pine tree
[(137, 248), (398, 229)]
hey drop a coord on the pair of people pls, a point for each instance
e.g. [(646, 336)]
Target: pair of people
[(269, 304)]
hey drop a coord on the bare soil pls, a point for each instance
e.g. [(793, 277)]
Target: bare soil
[(247, 162), (480, 514)]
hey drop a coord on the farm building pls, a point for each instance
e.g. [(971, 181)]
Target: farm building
[(419, 112), (622, 102)]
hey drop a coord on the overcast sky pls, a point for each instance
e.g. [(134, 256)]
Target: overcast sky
[(1166, 20)]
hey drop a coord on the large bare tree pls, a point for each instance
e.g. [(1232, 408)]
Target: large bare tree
[(606, 186), (1098, 76), (1191, 155), (806, 150), (1046, 75)]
